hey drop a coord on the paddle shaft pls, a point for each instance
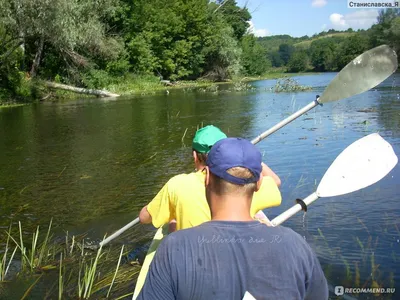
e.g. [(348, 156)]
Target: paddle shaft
[(293, 210), (285, 121), (119, 232)]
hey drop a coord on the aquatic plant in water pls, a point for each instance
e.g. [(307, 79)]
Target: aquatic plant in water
[(81, 273), (87, 273), (242, 86), (32, 258), (289, 85), (4, 265), (351, 275)]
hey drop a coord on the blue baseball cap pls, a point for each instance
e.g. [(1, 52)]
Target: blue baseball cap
[(234, 152)]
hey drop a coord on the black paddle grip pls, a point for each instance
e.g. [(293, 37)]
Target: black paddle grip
[(302, 204)]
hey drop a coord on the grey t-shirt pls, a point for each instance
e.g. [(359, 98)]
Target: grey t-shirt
[(223, 260)]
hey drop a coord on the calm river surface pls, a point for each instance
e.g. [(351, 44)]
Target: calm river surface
[(92, 164)]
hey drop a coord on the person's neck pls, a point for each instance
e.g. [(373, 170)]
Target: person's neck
[(230, 209), (199, 166)]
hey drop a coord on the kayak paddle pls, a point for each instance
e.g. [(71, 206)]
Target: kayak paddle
[(363, 163), (361, 74)]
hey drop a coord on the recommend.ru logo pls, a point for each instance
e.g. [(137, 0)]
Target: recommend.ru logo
[(339, 290)]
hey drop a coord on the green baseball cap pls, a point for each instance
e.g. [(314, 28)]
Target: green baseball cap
[(206, 137)]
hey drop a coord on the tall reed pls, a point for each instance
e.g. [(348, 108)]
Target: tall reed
[(87, 273), (116, 271), (60, 279), (4, 266), (31, 258)]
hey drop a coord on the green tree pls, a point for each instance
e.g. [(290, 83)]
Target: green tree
[(11, 61), (351, 48), (395, 31), (222, 52), (73, 29), (386, 29), (285, 52), (275, 59), (298, 62), (323, 54), (235, 16), (254, 57), (184, 39), (167, 39)]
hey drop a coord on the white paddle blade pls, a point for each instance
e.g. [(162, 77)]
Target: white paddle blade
[(248, 296), (361, 74), (361, 164)]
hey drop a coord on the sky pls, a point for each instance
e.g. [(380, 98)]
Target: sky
[(306, 17)]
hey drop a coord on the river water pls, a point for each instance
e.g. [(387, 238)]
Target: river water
[(90, 165)]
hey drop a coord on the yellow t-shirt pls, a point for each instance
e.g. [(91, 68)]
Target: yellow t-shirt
[(183, 198)]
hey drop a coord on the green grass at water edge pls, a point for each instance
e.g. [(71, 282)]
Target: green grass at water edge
[(132, 84), (81, 273)]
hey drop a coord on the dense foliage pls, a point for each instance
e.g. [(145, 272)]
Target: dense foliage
[(332, 50), (99, 43)]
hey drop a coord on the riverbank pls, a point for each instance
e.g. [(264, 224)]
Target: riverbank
[(136, 85), (151, 85)]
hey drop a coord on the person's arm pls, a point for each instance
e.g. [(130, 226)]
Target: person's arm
[(144, 216), (159, 283), (266, 171), (159, 211), (172, 226), (267, 196), (260, 216)]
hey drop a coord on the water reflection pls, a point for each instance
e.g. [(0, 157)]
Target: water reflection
[(81, 161)]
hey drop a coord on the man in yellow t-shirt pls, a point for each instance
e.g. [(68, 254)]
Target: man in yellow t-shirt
[(182, 199)]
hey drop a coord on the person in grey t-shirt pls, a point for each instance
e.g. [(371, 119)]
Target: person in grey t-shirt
[(233, 255)]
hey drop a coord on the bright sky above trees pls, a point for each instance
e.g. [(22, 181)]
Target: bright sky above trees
[(306, 17)]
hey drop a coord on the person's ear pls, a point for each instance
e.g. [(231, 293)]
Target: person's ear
[(207, 178), (195, 156), (259, 182)]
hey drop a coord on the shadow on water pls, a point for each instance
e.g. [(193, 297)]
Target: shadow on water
[(91, 166)]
